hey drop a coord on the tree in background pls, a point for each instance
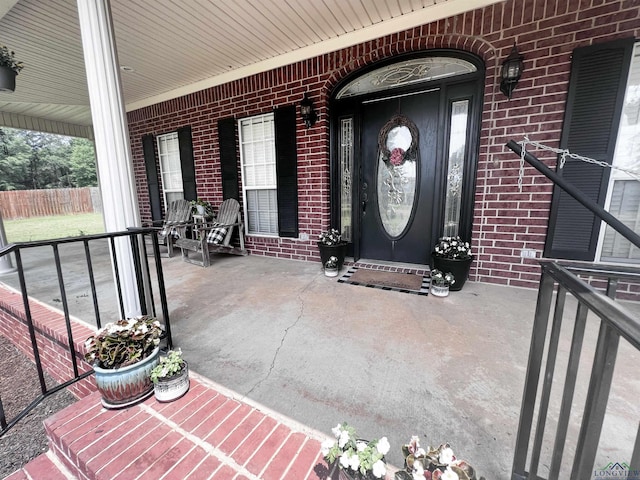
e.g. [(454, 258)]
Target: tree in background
[(35, 160), (83, 163)]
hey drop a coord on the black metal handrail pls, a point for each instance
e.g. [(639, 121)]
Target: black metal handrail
[(139, 239), (558, 279)]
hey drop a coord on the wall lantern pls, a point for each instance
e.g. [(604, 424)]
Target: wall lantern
[(307, 112), (512, 69)]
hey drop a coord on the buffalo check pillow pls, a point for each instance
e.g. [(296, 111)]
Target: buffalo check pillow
[(217, 234)]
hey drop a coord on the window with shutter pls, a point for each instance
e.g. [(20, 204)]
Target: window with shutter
[(258, 163), (623, 200), (594, 105)]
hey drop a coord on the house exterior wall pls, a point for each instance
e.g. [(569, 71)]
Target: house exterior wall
[(506, 218)]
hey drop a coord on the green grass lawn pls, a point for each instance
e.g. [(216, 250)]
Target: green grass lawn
[(59, 226)]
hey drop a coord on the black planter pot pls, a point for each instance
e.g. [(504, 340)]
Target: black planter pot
[(339, 251), (458, 267), (7, 79)]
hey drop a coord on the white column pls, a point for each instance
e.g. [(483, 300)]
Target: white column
[(111, 133)]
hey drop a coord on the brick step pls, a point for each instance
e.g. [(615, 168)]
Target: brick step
[(43, 466), (205, 434)]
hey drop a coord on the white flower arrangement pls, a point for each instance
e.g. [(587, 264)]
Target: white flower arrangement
[(330, 237), (452, 247), (360, 457), (435, 463)]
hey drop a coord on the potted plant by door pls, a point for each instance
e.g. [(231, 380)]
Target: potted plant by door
[(441, 283), (330, 245), (354, 458), (9, 68), (170, 377), (453, 255), (123, 354)]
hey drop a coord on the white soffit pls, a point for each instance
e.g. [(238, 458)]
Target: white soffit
[(439, 10)]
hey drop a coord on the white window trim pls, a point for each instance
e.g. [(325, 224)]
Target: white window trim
[(245, 203), (616, 175), (165, 190)]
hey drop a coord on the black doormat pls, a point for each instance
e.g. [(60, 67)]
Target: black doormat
[(397, 282)]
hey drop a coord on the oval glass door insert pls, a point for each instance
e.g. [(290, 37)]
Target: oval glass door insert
[(397, 171)]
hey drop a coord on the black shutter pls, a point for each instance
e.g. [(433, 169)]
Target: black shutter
[(594, 104), (287, 170), (228, 158), (187, 164), (148, 149)]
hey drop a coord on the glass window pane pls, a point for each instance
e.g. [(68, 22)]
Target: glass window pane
[(455, 172), (170, 167), (625, 200), (409, 72), (346, 169)]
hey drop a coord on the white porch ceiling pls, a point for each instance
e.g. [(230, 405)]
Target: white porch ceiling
[(178, 47)]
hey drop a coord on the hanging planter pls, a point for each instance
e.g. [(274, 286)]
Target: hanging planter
[(9, 68), (7, 79)]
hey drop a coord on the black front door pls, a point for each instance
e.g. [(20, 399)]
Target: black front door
[(399, 200)]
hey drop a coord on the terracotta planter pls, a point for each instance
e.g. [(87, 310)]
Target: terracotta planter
[(459, 269), (7, 79), (122, 387), (170, 389)]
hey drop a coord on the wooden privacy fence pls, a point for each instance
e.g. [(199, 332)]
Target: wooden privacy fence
[(39, 203)]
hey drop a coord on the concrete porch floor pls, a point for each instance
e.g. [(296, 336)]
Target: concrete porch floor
[(280, 333)]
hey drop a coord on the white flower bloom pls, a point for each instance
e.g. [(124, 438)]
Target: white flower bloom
[(446, 456), (344, 461), (344, 438), (420, 452), (418, 471), (360, 446), (336, 430), (383, 446), (449, 475), (354, 462), (379, 469), (326, 446)]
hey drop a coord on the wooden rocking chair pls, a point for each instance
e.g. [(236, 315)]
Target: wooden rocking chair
[(174, 227), (215, 236)]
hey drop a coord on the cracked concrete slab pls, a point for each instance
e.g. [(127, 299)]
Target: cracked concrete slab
[(447, 369)]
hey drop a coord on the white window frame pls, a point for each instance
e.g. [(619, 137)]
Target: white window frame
[(163, 156), (267, 161), (624, 137)]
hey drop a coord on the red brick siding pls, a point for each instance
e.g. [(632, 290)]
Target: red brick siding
[(507, 219), (51, 337)]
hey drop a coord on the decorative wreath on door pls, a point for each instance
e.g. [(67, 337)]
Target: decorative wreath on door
[(393, 143)]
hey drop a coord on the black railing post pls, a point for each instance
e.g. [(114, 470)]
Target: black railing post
[(92, 283), (65, 309), (536, 351), (27, 314)]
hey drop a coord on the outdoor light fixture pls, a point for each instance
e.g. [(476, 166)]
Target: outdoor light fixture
[(307, 112), (511, 71)]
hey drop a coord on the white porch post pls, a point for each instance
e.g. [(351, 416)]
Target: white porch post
[(113, 151)]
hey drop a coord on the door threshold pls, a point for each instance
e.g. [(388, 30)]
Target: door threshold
[(415, 268)]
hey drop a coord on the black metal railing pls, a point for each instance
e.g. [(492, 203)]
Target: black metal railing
[(151, 303), (538, 413)]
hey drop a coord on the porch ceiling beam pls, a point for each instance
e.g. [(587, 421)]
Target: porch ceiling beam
[(439, 10), (25, 122)]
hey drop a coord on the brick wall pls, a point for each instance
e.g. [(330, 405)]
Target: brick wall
[(507, 218), (51, 337)]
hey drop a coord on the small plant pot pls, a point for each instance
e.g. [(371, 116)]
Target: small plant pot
[(331, 271), (172, 388), (439, 290)]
